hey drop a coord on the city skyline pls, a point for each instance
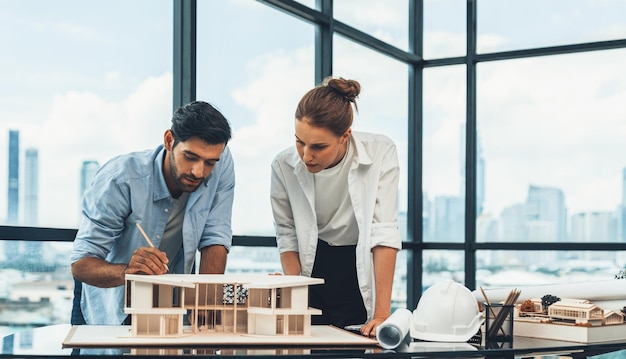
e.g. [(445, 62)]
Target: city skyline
[(444, 217)]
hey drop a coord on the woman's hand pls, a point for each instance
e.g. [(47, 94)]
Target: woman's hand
[(369, 328)]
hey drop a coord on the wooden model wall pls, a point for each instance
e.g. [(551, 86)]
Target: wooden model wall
[(217, 307), (153, 309)]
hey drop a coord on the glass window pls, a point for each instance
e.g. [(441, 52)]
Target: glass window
[(550, 129), (386, 20), (382, 108), (383, 102), (37, 285), (499, 269), (76, 90), (253, 260), (441, 265), (444, 28), (444, 154), (505, 25), (256, 77)]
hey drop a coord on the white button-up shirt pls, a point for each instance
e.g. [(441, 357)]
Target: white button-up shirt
[(373, 185)]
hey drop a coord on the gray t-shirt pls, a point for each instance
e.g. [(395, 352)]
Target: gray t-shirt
[(172, 242)]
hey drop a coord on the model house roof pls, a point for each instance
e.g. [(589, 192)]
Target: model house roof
[(246, 280)]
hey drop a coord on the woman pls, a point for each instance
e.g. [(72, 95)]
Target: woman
[(335, 204)]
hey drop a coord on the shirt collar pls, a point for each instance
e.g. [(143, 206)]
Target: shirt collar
[(160, 187)]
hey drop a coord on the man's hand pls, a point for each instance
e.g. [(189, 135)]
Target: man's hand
[(147, 260)]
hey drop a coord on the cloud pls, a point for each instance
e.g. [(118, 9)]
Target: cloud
[(490, 43), (68, 135), (277, 82), (370, 14), (71, 30), (545, 120), (440, 44), (554, 121)]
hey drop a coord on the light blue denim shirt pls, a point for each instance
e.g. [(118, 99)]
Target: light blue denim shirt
[(130, 188)]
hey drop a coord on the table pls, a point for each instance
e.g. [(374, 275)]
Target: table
[(45, 342)]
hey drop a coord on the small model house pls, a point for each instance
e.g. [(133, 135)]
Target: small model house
[(216, 303), (612, 317), (581, 312)]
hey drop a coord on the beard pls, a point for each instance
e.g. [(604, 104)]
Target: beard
[(179, 178)]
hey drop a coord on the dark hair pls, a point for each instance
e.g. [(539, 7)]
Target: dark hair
[(329, 105), (202, 120)]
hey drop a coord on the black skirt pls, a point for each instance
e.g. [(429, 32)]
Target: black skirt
[(339, 297)]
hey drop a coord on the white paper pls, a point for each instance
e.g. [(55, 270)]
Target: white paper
[(610, 292), (391, 333)]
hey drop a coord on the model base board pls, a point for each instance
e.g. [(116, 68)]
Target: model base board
[(569, 333), (99, 336)]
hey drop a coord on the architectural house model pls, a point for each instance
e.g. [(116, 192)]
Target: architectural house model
[(576, 320), (574, 311), (275, 305)]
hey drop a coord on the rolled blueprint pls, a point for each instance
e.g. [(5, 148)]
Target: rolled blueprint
[(610, 293), (391, 333)]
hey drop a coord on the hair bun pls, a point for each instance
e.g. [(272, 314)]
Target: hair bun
[(349, 89)]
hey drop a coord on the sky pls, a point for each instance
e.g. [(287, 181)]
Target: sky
[(86, 82)]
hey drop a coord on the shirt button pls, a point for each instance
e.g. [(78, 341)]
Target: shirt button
[(166, 210), (158, 236)]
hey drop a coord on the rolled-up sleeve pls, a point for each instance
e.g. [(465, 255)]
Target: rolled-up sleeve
[(284, 224), (384, 230), (217, 229), (104, 209)]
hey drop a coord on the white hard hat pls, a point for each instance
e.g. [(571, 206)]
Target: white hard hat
[(446, 312)]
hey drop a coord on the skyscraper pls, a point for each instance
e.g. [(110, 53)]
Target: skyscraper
[(480, 178), (546, 215), (33, 249), (449, 219), (87, 172), (14, 179), (480, 170), (31, 187)]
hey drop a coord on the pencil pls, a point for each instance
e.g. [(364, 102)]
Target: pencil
[(490, 307), (511, 299), (149, 241)]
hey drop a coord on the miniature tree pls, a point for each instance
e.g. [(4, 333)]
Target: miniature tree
[(527, 306), (547, 300)]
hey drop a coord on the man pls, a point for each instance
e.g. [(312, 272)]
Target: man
[(181, 194)]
